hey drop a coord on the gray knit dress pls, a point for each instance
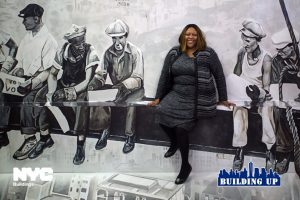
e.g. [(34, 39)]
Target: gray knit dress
[(177, 108)]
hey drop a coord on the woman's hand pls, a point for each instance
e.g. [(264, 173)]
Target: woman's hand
[(226, 103), (154, 102)]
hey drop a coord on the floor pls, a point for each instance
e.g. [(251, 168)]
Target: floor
[(144, 161)]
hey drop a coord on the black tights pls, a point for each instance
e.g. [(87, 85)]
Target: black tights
[(179, 139)]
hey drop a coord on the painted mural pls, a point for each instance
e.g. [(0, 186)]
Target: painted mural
[(76, 77)]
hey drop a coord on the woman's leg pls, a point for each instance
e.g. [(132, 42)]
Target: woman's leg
[(183, 143), (172, 136)]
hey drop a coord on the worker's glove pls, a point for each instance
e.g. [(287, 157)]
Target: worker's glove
[(65, 94), (122, 94), (25, 88)]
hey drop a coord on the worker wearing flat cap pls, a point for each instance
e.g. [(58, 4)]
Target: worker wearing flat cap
[(123, 61), (253, 68), (286, 58), (32, 10), (252, 29), (35, 57), (78, 61)]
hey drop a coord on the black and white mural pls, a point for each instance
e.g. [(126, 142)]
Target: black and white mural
[(76, 77)]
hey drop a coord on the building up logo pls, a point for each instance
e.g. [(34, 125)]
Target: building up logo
[(253, 178)]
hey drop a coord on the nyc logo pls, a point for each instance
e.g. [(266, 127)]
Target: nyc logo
[(28, 174)]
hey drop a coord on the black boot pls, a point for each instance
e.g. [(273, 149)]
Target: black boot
[(238, 160), (172, 136), (102, 142), (183, 174), (3, 140), (171, 151), (129, 144), (80, 153)]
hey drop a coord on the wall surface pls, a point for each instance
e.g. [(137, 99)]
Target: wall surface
[(154, 27)]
